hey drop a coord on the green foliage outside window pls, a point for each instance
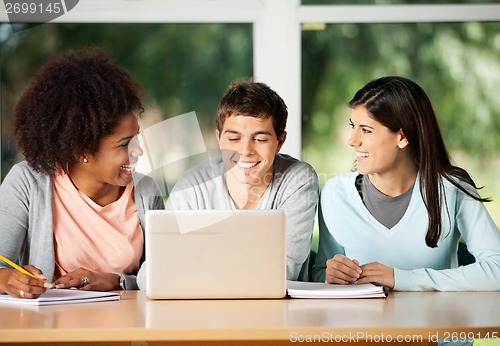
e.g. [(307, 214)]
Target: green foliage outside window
[(183, 67)]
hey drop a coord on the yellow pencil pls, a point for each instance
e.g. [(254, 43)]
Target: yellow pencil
[(15, 266)]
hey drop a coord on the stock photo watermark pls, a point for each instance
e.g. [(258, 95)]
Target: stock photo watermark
[(24, 14), (364, 336)]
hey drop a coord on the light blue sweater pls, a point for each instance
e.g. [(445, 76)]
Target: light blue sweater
[(26, 217), (348, 228)]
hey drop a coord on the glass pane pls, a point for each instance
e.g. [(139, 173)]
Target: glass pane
[(457, 64), (183, 67), (388, 2)]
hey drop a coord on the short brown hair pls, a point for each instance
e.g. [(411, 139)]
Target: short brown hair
[(252, 99)]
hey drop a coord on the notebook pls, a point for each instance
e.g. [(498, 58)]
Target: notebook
[(62, 296), (215, 254), (296, 289)]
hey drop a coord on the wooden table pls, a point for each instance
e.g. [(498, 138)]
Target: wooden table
[(407, 317)]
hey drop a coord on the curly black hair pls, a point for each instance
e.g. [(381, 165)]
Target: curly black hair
[(73, 102)]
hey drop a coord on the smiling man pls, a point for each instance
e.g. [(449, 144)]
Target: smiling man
[(252, 174)]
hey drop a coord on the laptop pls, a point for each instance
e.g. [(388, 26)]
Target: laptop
[(215, 254)]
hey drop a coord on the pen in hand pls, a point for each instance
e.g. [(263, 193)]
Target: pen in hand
[(18, 286), (15, 266)]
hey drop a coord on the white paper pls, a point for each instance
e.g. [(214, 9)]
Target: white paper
[(62, 296), (297, 289)]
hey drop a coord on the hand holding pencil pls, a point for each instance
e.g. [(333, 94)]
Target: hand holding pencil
[(22, 282)]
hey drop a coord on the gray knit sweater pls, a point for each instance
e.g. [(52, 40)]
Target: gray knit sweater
[(26, 216), (294, 189)]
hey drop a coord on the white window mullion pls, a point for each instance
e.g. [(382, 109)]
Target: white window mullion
[(276, 38)]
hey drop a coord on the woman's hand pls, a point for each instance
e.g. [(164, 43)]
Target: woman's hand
[(378, 273), (20, 285), (342, 270), (87, 280)]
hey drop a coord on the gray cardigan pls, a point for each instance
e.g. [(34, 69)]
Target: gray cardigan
[(26, 217), (294, 189)]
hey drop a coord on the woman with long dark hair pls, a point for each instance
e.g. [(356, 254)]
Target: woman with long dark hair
[(398, 218)]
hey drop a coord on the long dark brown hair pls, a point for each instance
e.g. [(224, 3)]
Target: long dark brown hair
[(399, 103)]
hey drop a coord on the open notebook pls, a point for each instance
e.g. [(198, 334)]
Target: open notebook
[(62, 296)]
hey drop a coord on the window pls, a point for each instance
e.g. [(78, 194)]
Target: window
[(183, 68), (301, 49)]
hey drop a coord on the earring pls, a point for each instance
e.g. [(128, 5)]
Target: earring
[(85, 160)]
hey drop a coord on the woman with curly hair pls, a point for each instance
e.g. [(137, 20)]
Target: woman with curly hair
[(73, 212)]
